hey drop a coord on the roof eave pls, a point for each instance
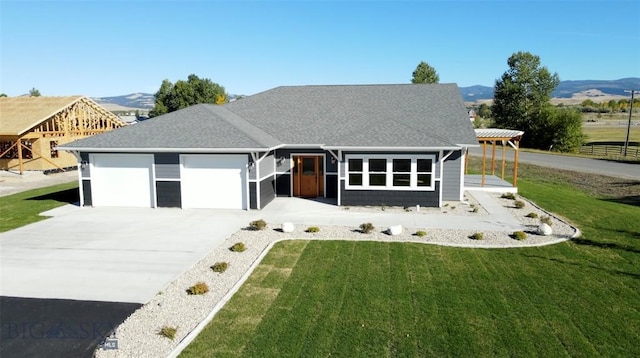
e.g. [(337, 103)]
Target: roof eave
[(163, 150), (380, 149)]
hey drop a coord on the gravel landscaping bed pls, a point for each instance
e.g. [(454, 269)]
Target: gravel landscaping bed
[(138, 335)]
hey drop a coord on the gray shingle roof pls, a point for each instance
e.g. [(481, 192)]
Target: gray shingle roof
[(203, 126), (401, 116)]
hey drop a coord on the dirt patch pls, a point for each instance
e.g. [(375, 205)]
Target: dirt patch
[(12, 182)]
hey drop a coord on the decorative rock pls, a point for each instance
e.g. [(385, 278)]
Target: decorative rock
[(287, 227), (545, 229), (394, 230)]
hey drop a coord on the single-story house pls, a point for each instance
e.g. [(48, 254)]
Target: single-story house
[(395, 145), (32, 128)]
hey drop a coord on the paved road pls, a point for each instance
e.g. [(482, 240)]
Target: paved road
[(587, 165)]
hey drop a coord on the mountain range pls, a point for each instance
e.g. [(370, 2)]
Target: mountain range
[(597, 90)]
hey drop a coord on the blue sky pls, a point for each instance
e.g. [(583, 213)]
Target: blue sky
[(107, 48)]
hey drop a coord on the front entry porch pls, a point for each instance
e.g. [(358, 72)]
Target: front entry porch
[(308, 176)]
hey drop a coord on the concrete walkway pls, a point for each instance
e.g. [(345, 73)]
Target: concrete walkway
[(311, 212)]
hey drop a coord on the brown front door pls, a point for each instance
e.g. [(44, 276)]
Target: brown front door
[(308, 176)]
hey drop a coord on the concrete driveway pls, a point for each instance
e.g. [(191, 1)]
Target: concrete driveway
[(109, 254)]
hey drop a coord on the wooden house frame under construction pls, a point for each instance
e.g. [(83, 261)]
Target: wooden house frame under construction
[(31, 129)]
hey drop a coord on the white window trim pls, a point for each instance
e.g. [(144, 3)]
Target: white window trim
[(389, 180)]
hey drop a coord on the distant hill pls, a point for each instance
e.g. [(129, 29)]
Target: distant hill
[(595, 89), (566, 89), (127, 102)]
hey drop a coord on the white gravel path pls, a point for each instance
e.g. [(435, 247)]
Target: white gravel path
[(138, 335)]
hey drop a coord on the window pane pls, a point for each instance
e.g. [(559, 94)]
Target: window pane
[(424, 165), (355, 165), (402, 165), (308, 166), (377, 165), (401, 180), (355, 179), (377, 179), (424, 179)]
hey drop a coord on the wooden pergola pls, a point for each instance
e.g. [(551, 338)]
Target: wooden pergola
[(504, 137), (31, 128)]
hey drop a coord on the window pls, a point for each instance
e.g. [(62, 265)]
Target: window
[(377, 172), (401, 172), (424, 172), (355, 171), (390, 172)]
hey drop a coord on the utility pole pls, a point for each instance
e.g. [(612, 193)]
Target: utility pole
[(626, 142)]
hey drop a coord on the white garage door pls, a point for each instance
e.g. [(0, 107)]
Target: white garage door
[(214, 181), (121, 180)]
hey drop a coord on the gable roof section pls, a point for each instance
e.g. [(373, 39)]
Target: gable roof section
[(406, 115), (351, 116), (199, 127), (19, 114)]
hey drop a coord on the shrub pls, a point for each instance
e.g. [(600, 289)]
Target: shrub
[(366, 228), (519, 235), (477, 236), (532, 215), (199, 288), (545, 220), (258, 225), (420, 233), (519, 204), (220, 267), (238, 247), (313, 229), (407, 209), (510, 196), (475, 210), (168, 332)]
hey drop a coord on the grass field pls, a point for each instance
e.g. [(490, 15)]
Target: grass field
[(337, 298), (23, 208), (611, 133)]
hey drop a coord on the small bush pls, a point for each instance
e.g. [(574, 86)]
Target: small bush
[(420, 233), (545, 220), (366, 228), (220, 267), (313, 229), (477, 236), (258, 225), (168, 332), (199, 288), (519, 204), (532, 215), (407, 209), (510, 196), (519, 235), (475, 210), (238, 247)]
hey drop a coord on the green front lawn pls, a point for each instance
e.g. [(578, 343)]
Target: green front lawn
[(24, 208), (342, 298)]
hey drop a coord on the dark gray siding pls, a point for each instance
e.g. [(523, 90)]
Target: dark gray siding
[(267, 191), (390, 197), (253, 196), (283, 185), (86, 192), (86, 171), (451, 173), (167, 165), (168, 194), (331, 189)]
